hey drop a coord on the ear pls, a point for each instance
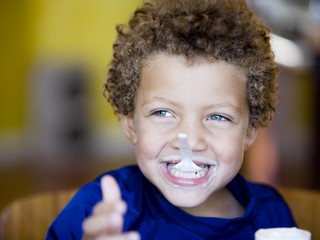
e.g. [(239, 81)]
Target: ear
[(252, 133), (127, 124)]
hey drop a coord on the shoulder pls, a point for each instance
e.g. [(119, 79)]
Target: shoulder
[(263, 202), (264, 191), (271, 205), (247, 191), (266, 195), (122, 174), (129, 178), (126, 177)]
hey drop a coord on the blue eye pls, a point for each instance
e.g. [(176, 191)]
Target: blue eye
[(162, 113), (217, 118)]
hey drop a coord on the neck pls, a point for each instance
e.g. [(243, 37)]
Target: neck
[(221, 204)]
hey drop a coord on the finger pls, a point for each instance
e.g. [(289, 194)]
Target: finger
[(106, 224), (110, 189), (105, 208)]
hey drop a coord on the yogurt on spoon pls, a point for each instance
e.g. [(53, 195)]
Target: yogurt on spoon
[(187, 170)]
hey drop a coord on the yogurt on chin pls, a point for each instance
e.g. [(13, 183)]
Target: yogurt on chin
[(282, 234)]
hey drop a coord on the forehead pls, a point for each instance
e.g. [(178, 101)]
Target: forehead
[(161, 57), (161, 62), (175, 76)]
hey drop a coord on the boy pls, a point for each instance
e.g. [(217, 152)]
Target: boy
[(192, 73)]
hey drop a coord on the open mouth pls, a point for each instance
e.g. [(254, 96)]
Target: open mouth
[(206, 169), (176, 172)]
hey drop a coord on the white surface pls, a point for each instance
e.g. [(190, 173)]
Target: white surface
[(282, 234)]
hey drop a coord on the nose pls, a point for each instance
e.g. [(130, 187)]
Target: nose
[(196, 135)]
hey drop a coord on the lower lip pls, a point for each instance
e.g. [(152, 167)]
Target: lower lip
[(187, 182)]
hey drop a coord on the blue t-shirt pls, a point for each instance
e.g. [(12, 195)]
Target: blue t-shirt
[(156, 218)]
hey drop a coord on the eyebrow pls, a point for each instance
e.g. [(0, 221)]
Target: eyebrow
[(224, 105), (235, 109), (158, 99)]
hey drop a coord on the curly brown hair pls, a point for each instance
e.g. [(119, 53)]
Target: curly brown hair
[(225, 30)]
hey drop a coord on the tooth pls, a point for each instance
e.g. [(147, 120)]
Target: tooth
[(189, 174)]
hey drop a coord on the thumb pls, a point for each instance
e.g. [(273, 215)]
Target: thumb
[(110, 189)]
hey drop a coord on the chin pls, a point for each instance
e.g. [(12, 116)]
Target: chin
[(186, 198)]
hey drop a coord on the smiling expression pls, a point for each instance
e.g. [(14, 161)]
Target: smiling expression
[(204, 99)]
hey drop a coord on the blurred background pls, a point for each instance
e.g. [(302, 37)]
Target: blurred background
[(57, 130)]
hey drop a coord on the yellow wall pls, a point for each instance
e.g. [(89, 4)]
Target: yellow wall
[(32, 30), (13, 64)]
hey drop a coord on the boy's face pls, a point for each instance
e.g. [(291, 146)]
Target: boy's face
[(207, 101)]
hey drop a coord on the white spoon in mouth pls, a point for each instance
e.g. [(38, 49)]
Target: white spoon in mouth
[(186, 164)]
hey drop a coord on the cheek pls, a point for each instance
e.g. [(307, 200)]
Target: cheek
[(147, 150), (230, 164), (232, 152), (147, 146), (234, 157)]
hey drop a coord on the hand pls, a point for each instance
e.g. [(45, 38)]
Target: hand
[(106, 221)]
